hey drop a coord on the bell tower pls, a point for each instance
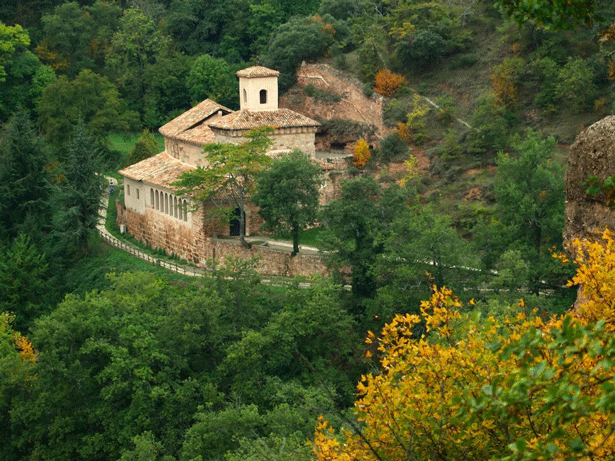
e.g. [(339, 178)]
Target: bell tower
[(258, 89)]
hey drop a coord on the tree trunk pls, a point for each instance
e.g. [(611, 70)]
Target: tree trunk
[(295, 241)]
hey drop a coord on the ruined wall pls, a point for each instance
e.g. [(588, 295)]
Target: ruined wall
[(195, 245), (592, 154)]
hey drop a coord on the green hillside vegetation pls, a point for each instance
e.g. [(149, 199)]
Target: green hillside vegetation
[(103, 357)]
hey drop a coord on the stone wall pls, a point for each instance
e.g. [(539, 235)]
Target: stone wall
[(193, 245)]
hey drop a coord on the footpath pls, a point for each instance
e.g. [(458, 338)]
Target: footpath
[(274, 245)]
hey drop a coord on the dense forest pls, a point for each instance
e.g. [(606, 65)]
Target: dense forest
[(105, 358)]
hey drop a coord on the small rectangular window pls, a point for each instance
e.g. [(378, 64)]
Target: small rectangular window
[(127, 189), (137, 194)]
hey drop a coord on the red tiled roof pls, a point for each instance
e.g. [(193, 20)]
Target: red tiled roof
[(246, 119), (191, 119), (257, 71), (160, 170)]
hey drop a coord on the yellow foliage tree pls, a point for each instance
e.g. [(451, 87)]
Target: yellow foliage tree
[(388, 83), (514, 388), (504, 81), (361, 153)]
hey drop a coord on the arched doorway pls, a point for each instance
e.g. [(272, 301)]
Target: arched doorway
[(235, 223)]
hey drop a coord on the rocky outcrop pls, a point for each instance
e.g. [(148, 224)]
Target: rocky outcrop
[(349, 105), (592, 154)]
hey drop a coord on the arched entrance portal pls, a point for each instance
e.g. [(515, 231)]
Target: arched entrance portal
[(235, 223)]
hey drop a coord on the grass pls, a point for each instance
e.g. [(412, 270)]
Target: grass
[(125, 142), (310, 237)]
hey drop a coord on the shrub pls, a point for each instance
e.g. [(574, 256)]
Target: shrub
[(361, 153), (388, 83)]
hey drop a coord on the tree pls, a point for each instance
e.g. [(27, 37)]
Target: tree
[(388, 83), (517, 388), (287, 194), (297, 40), (91, 98), (11, 39), (79, 192), (231, 169), (211, 78), (421, 250), (23, 281), (361, 153), (135, 47), (575, 84), (556, 14), (24, 187), (529, 193), (145, 147), (353, 224)]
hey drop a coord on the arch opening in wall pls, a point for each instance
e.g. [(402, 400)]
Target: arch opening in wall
[(235, 223), (151, 197), (245, 95), (263, 96)]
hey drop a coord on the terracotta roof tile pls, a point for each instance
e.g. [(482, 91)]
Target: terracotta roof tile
[(160, 170), (245, 119), (191, 118), (257, 71)]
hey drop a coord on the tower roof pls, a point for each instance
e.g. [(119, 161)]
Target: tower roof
[(257, 71)]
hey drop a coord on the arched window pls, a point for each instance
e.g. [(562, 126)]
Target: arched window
[(263, 95), (185, 211), (175, 207), (166, 203), (180, 210), (151, 197), (245, 95), (157, 201), (171, 205)]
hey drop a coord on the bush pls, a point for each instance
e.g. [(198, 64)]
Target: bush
[(393, 147), (388, 83)]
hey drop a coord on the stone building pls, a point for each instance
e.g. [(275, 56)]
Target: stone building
[(154, 214)]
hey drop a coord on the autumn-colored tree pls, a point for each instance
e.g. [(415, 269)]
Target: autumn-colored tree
[(504, 81), (361, 153), (414, 130), (516, 388), (388, 83)]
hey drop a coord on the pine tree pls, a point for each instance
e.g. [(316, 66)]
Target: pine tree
[(24, 186), (79, 191)]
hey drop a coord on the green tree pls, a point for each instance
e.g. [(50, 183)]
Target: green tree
[(145, 147), (91, 98), (287, 194), (529, 193), (24, 187), (421, 250), (12, 38), (23, 281), (135, 48), (575, 84), (556, 14), (297, 40), (353, 226), (212, 78), (231, 169), (79, 192), (111, 366)]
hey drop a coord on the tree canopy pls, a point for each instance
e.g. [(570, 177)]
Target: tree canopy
[(287, 195)]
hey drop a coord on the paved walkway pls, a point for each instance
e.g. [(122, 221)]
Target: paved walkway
[(275, 245)]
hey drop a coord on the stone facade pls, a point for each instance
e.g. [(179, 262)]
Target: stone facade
[(198, 244)]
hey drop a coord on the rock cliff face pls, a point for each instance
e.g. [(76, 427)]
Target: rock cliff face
[(592, 154)]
